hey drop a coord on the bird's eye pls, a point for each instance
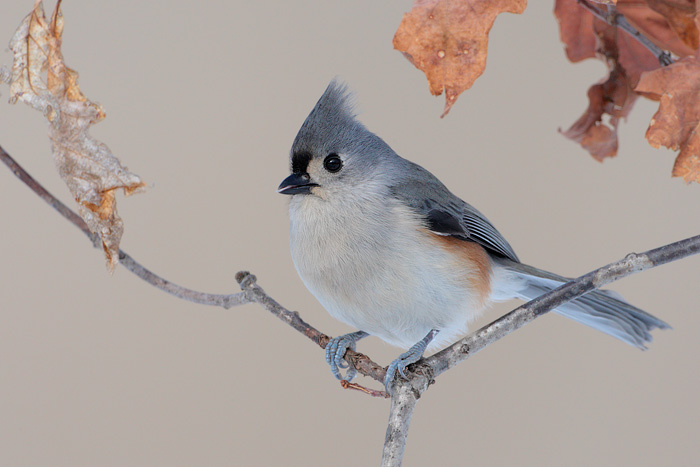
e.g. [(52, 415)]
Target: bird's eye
[(332, 163)]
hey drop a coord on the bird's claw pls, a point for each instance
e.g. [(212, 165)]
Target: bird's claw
[(335, 353), (399, 365), (412, 355)]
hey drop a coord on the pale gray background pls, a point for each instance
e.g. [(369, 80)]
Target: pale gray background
[(203, 100)]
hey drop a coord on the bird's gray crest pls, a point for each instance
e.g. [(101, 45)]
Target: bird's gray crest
[(330, 122), (336, 106)]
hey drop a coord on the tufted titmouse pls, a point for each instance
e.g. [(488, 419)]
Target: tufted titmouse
[(388, 249)]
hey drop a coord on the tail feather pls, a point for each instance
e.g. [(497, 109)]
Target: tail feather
[(604, 310)]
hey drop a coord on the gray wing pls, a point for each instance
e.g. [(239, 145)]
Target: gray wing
[(446, 214)]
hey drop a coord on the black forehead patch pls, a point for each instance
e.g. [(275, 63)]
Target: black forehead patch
[(300, 162)]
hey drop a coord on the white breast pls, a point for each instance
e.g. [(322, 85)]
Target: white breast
[(370, 263)]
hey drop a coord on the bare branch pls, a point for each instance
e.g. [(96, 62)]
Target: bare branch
[(255, 293), (403, 403), (52, 201), (203, 298)]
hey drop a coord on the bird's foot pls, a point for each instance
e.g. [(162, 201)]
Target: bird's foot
[(412, 355), (335, 353)]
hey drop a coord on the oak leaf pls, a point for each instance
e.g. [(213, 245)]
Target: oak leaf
[(448, 39), (41, 79), (676, 124)]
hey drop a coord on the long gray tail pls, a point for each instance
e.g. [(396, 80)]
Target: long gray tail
[(604, 310)]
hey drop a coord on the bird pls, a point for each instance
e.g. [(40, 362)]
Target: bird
[(388, 249)]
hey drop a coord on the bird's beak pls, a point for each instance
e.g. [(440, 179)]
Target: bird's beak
[(296, 184)]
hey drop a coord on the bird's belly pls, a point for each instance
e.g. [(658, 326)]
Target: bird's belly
[(391, 281)]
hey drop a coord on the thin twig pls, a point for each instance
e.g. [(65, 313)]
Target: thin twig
[(255, 293), (203, 298), (615, 18), (52, 201), (345, 384)]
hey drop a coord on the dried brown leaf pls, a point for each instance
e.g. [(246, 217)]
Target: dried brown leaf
[(655, 24), (612, 98), (676, 125), (448, 41), (586, 36), (680, 16), (575, 30), (41, 79)]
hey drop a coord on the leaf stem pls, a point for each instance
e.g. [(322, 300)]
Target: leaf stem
[(615, 18)]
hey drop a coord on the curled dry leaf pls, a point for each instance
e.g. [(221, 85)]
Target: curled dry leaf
[(41, 79), (448, 41), (612, 98)]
